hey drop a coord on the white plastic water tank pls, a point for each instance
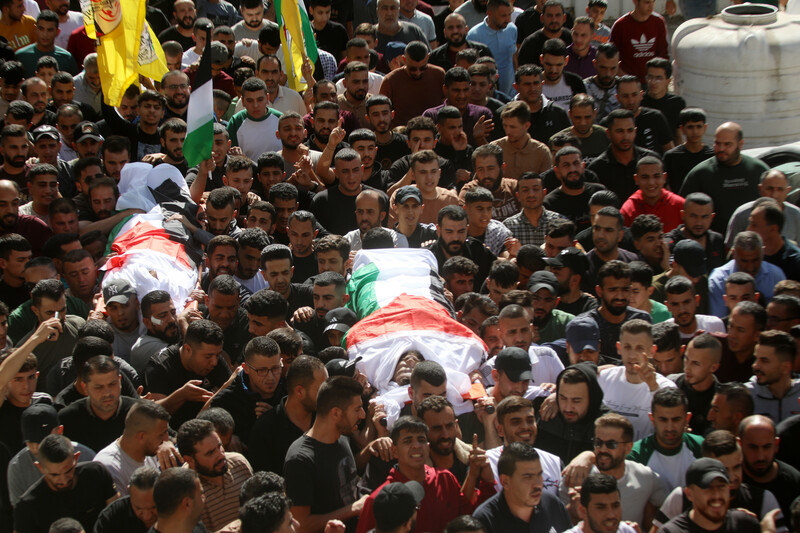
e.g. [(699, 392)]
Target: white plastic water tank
[(743, 65)]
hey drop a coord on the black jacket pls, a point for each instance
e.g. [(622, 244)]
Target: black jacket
[(239, 399), (567, 440), (440, 58)]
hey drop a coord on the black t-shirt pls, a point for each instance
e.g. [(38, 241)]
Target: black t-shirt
[(270, 438), (236, 335), (785, 486), (335, 210), (422, 234), (531, 46), (301, 295), (585, 302), (496, 517), (390, 152), (546, 122), (789, 432), (165, 374), (321, 476), (699, 403), (13, 297), (81, 424), (11, 419), (609, 333), (679, 161), (332, 38), (41, 506), (304, 268), (575, 208), (119, 517), (172, 34), (735, 522), (670, 105), (652, 131)]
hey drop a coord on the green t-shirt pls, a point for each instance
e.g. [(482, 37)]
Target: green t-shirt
[(659, 312), (556, 327)]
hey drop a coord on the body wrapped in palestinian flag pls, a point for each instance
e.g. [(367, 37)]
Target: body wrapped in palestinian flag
[(149, 252), (401, 305)]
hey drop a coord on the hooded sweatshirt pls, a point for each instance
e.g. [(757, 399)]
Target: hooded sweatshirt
[(569, 439)]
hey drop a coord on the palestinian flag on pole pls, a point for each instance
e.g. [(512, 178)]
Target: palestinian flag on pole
[(379, 276), (200, 116)]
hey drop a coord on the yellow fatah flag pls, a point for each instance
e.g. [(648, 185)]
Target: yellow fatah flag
[(126, 46), (297, 40)]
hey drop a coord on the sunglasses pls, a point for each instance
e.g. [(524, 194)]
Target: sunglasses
[(610, 444)]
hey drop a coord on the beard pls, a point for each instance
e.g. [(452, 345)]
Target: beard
[(574, 184)]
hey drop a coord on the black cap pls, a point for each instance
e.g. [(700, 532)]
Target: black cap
[(705, 470), (515, 363), (87, 130), (342, 367), (340, 319), (543, 280), (396, 503), (46, 130), (572, 258), (407, 192), (690, 255), (38, 421)]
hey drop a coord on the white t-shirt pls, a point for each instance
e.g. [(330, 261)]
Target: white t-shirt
[(545, 366), (623, 528), (254, 284), (551, 469), (375, 81), (707, 323), (74, 21), (630, 400), (560, 93)]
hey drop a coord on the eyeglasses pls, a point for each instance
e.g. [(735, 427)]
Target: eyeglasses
[(610, 444), (275, 370)]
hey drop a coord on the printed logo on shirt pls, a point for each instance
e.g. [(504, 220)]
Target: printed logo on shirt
[(644, 46)]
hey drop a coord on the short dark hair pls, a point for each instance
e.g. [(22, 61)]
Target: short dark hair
[(666, 336), (464, 524), (781, 342), (407, 423), (503, 272), (613, 269), (153, 297), (265, 513), (428, 371), (738, 395), (660, 62), (276, 252), (52, 289), (455, 213), (203, 332), (691, 114), (597, 483), (171, 487), (191, 433), (268, 303), (99, 364), (641, 273), (669, 397), (612, 212), (301, 371), (459, 265), (55, 449), (679, 285), (13, 242), (337, 392), (554, 47), (514, 453), (221, 419), (755, 310), (719, 443), (263, 346), (644, 224), (259, 484)]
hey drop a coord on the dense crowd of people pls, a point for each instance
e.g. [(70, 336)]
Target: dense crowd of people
[(637, 292)]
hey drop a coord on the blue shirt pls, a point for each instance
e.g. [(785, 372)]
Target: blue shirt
[(766, 278), (503, 44)]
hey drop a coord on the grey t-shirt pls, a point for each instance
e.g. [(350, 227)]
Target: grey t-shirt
[(121, 465), (637, 487), (22, 472)]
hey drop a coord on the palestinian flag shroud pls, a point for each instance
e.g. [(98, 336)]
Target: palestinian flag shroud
[(200, 115), (150, 253), (413, 322), (379, 276)]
